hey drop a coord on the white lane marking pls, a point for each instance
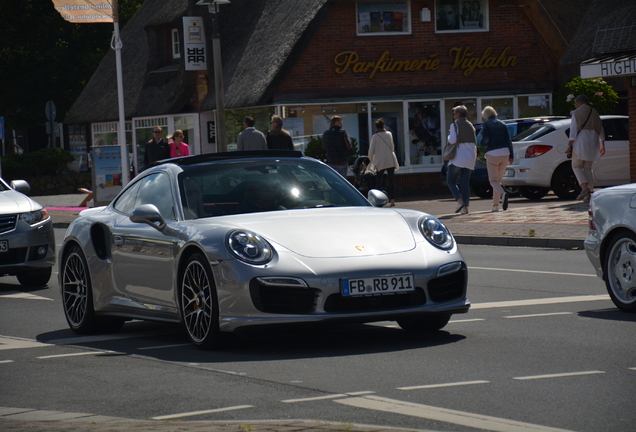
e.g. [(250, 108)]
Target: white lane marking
[(634, 368), (538, 315), (8, 342), (333, 396), (559, 375), (445, 415), (163, 346), (532, 271), (75, 354), (196, 413), (23, 295), (543, 301), (429, 386), (466, 320), (6, 361)]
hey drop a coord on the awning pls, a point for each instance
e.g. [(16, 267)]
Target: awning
[(612, 65)]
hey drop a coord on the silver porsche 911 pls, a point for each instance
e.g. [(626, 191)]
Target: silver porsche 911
[(229, 240)]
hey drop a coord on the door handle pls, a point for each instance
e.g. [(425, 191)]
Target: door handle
[(118, 241)]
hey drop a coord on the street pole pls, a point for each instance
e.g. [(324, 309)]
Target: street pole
[(221, 135), (121, 129)]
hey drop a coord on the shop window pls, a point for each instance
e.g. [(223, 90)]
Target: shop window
[(461, 16), (176, 47), (503, 106), (534, 105), (383, 18), (425, 135)]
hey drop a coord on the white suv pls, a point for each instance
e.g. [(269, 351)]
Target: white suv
[(541, 164)]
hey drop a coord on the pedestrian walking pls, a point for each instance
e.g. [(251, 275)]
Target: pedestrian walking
[(251, 138), (337, 145), (462, 134), (586, 144), (499, 153)]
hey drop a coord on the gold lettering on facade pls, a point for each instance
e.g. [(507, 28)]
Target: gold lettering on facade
[(463, 58)]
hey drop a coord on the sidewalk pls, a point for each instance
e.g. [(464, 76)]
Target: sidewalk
[(547, 223)]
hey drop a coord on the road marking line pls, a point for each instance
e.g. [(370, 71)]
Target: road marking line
[(163, 346), (538, 315), (532, 271), (634, 368), (559, 375), (543, 301), (467, 320), (23, 295), (445, 415), (333, 396), (75, 354), (196, 413), (6, 361), (102, 338), (8, 342), (429, 386)]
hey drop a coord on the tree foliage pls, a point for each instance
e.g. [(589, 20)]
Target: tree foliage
[(43, 57), (602, 96)]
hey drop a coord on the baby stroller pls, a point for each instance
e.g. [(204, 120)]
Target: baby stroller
[(364, 179)]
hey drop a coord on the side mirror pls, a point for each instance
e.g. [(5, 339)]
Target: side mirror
[(21, 186), (148, 214), (377, 198)]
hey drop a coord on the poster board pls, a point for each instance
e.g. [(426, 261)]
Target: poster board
[(106, 173)]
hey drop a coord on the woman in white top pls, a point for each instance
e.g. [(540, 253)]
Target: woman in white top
[(462, 132), (382, 156)]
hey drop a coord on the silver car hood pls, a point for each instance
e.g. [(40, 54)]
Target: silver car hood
[(13, 202), (334, 232)]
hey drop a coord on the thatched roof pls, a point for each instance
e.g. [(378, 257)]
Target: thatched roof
[(607, 27), (257, 39)]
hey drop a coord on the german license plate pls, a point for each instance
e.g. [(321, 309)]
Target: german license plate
[(377, 285), (4, 245)]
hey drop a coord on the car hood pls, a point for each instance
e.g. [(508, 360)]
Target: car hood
[(334, 231), (12, 202)]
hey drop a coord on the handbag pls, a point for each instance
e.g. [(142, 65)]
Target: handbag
[(450, 150)]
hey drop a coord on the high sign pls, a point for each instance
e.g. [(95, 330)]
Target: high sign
[(87, 11), (194, 44)]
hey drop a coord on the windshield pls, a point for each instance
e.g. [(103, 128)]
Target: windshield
[(235, 187), (534, 132)]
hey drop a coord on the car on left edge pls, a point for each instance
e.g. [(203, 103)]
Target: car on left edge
[(27, 243), (225, 241), (611, 242)]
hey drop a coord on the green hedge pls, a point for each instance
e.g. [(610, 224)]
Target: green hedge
[(41, 162)]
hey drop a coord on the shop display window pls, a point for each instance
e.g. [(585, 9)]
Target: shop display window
[(461, 16), (424, 138), (383, 18), (534, 105)]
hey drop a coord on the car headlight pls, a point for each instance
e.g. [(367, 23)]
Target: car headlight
[(34, 217), (249, 247), (436, 233)]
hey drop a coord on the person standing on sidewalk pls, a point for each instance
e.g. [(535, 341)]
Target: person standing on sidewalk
[(499, 153), (278, 138), (463, 164), (586, 144), (250, 138), (382, 156), (156, 149), (336, 143)]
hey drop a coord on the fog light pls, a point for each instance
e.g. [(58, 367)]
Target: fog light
[(41, 251)]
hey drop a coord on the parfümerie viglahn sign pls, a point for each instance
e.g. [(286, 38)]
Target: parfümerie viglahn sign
[(87, 11)]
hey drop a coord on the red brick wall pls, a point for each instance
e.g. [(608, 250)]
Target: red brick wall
[(314, 73)]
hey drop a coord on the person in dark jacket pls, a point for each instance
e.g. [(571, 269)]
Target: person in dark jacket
[(498, 152), (278, 138), (336, 143), (156, 149)]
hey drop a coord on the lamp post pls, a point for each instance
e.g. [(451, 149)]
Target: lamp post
[(213, 8)]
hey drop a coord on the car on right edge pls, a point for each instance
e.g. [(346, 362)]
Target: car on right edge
[(611, 242), (541, 164)]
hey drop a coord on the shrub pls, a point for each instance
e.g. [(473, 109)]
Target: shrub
[(41, 162), (602, 96)]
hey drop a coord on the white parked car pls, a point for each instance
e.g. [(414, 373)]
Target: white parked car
[(541, 164), (611, 243)]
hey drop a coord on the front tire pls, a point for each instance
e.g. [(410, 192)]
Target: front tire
[(424, 323), (35, 277), (620, 269), (199, 304)]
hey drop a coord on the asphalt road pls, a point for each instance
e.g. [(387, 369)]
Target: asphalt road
[(541, 349)]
